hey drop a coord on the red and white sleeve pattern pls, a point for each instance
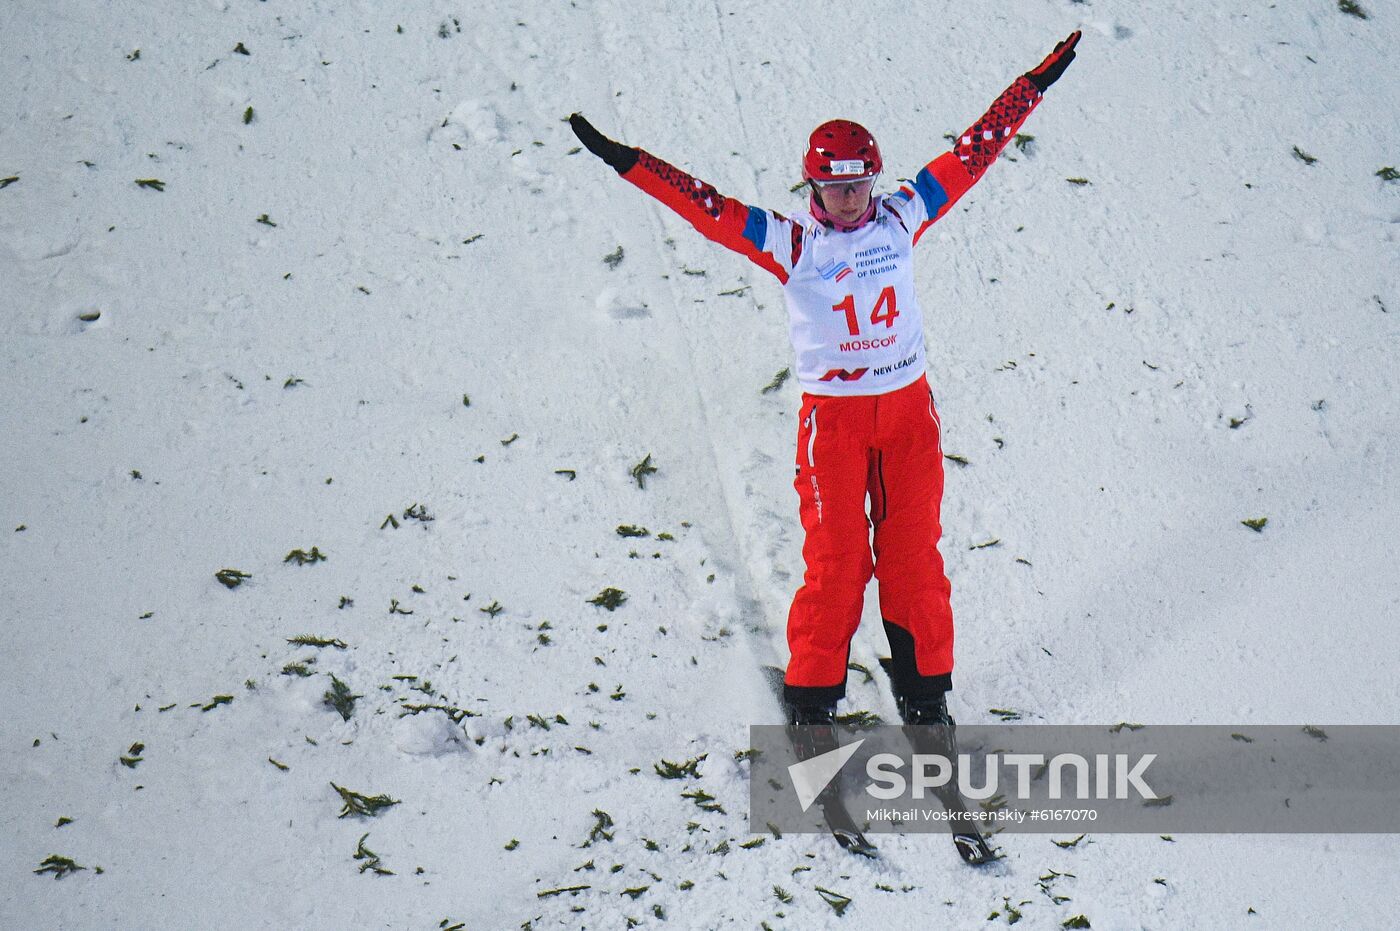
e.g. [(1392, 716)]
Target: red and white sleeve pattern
[(941, 182), (982, 143)]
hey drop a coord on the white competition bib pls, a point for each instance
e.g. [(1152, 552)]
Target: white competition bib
[(854, 319)]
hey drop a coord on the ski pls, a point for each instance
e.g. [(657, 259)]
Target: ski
[(844, 829), (838, 819), (969, 841)]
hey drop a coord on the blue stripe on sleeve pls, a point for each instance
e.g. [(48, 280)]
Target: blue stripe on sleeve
[(756, 228), (932, 193)]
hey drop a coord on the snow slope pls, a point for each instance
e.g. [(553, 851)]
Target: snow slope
[(423, 323)]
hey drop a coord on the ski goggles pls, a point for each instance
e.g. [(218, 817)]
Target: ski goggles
[(847, 185)]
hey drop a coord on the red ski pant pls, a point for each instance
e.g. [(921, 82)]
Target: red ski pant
[(887, 449)]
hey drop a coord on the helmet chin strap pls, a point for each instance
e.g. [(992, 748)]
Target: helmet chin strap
[(820, 212)]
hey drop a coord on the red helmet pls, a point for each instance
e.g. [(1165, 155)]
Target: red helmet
[(840, 149)]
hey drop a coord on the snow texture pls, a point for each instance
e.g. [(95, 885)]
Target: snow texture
[(374, 285)]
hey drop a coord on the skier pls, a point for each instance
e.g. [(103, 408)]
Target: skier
[(868, 426)]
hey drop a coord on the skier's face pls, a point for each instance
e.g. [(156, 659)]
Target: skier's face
[(846, 200)]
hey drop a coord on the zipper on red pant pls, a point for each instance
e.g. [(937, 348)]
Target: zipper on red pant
[(937, 421), (812, 438)]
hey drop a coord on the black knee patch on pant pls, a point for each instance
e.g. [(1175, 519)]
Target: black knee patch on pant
[(813, 696), (903, 670)]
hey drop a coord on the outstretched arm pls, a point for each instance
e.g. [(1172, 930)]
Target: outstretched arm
[(945, 179), (768, 239)]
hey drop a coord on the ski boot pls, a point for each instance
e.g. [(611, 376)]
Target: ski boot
[(928, 725), (811, 714), (812, 729)]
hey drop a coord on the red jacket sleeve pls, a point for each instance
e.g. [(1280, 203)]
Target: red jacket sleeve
[(769, 240), (941, 182)]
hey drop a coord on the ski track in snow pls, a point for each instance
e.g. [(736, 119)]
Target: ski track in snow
[(386, 288)]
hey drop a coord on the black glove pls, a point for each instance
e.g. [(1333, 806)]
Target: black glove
[(620, 157), (1054, 65)]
